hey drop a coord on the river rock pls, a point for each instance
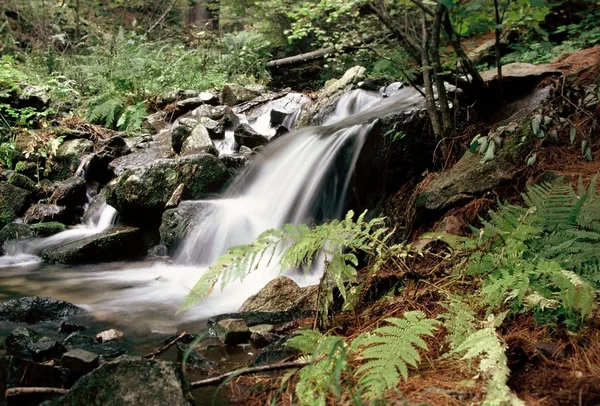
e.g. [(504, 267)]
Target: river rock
[(232, 331), (68, 327), (13, 231), (109, 335), (177, 222), (23, 182), (20, 340), (235, 162), (316, 111), (98, 167), (36, 309), (13, 202), (68, 158), (43, 213), (257, 318), (199, 142), (186, 105), (128, 381), (140, 195), (70, 193), (45, 349), (216, 130), (113, 244), (245, 135), (261, 335), (43, 230), (77, 147), (236, 94), (280, 295), (80, 361), (211, 112), (176, 197)]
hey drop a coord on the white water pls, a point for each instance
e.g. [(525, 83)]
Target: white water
[(300, 178)]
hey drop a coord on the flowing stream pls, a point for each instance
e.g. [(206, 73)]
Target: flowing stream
[(301, 177)]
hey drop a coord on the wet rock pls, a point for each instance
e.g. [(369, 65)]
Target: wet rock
[(79, 341), (98, 168), (80, 361), (314, 112), (199, 142), (187, 105), (176, 197), (280, 131), (43, 230), (71, 134), (466, 180), (177, 222), (156, 121), (44, 213), (29, 169), (13, 202), (70, 193), (232, 331), (68, 327), (216, 130), (21, 181), (187, 352), (257, 318), (277, 117), (280, 295), (36, 309), (231, 120), (45, 349), (179, 135), (20, 340), (211, 112), (114, 244), (109, 335), (128, 381), (261, 335), (18, 372), (236, 94), (14, 231), (140, 195), (68, 158), (245, 135), (235, 162)]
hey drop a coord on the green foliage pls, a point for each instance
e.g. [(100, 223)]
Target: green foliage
[(105, 109), (336, 243), (543, 257), (486, 346), (384, 355), (7, 151), (389, 350)]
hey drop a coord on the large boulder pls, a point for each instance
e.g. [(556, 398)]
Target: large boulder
[(232, 331), (179, 134), (199, 142), (177, 222), (114, 244), (140, 194), (212, 112), (245, 135), (189, 104), (314, 112), (13, 231), (280, 295), (111, 149), (42, 230), (70, 193), (128, 381), (37, 309), (216, 129), (13, 202), (23, 182), (68, 158)]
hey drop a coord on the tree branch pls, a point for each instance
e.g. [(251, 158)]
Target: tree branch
[(165, 347), (31, 390), (264, 368)]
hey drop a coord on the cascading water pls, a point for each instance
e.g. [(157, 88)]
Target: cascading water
[(301, 177)]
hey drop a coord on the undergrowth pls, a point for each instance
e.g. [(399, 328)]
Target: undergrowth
[(538, 259)]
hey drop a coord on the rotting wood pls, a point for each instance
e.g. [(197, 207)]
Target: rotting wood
[(33, 390), (264, 368)]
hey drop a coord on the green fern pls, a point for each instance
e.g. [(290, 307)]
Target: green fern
[(486, 345), (389, 350), (132, 117), (105, 109), (459, 321)]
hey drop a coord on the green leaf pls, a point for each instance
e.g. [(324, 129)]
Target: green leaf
[(449, 4), (531, 160), (535, 124), (572, 134), (588, 154)]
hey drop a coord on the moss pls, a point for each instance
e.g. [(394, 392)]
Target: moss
[(13, 202), (47, 229)]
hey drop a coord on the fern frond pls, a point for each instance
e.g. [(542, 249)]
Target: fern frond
[(459, 320), (105, 109), (132, 117), (389, 350)]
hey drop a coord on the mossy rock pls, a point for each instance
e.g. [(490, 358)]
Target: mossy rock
[(13, 202), (47, 229), (177, 222), (140, 194), (13, 231), (22, 181)]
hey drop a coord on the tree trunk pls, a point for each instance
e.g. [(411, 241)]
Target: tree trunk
[(203, 13), (498, 32), (428, 80), (437, 70)]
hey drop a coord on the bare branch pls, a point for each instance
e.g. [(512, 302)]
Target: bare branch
[(31, 390)]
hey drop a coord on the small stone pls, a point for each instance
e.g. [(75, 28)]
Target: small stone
[(109, 335), (176, 197), (68, 327), (80, 360), (233, 331), (46, 348)]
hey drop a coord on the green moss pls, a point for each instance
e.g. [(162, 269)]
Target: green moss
[(47, 229)]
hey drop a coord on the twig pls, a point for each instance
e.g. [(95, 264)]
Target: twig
[(29, 390), (264, 368), (162, 17), (165, 347)]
